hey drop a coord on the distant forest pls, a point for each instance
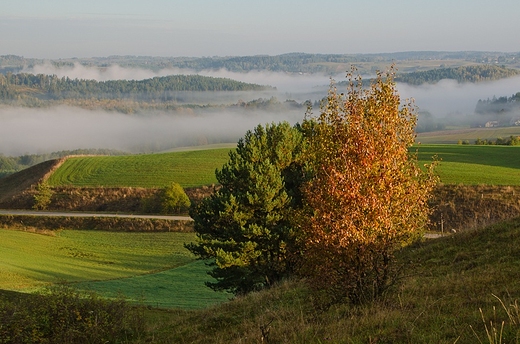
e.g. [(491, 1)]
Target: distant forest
[(51, 87), (290, 63), (504, 110), (477, 73)]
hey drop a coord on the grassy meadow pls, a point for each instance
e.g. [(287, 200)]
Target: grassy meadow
[(474, 165), (459, 164), (188, 168), (462, 288), (453, 136), (151, 268)]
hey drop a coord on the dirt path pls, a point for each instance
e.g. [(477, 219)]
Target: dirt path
[(75, 214)]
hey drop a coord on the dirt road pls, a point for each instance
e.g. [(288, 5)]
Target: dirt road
[(76, 214)]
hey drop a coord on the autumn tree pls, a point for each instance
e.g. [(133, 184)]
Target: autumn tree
[(245, 229), (368, 196)]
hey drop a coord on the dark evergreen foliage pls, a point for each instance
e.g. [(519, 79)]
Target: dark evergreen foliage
[(46, 87), (246, 228)]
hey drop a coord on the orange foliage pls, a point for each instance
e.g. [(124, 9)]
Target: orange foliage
[(368, 196)]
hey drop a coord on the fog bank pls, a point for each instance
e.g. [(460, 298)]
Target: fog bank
[(284, 82), (449, 98), (31, 131), (34, 131)]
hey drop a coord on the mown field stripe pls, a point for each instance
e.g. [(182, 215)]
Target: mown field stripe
[(466, 164), (188, 168)]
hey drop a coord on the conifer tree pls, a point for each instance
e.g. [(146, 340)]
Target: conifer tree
[(246, 228)]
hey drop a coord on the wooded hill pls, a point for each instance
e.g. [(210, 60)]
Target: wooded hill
[(291, 62), (51, 87), (472, 74), (477, 73)]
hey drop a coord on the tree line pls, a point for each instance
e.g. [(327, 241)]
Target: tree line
[(291, 62), (500, 104), (510, 141), (52, 87), (477, 73)]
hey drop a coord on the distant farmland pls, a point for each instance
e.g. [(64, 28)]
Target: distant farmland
[(468, 134)]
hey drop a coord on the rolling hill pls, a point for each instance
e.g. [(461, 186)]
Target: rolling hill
[(15, 185)]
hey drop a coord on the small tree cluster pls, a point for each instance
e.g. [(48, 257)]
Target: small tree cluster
[(511, 141), (331, 199)]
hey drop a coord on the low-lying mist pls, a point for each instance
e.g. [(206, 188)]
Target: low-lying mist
[(37, 131), (449, 98), (33, 131)]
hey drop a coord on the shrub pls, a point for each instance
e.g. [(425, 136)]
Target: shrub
[(42, 197), (174, 199), (63, 315)]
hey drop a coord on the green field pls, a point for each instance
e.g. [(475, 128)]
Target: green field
[(152, 268), (460, 164), (474, 165), (188, 168)]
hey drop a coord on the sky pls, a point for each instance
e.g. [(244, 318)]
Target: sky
[(63, 29)]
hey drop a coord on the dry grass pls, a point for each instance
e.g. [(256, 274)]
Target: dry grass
[(463, 207), (13, 186), (445, 283)]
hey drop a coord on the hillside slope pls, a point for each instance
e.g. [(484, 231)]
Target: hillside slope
[(451, 290), (14, 187)]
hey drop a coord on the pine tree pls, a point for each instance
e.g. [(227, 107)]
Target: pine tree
[(246, 228)]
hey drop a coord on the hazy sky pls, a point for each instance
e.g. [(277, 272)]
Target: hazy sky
[(59, 28)]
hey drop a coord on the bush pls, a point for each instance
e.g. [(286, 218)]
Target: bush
[(63, 315), (174, 199), (42, 197)]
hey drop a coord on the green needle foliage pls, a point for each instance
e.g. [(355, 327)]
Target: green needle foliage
[(246, 226), (334, 197)]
